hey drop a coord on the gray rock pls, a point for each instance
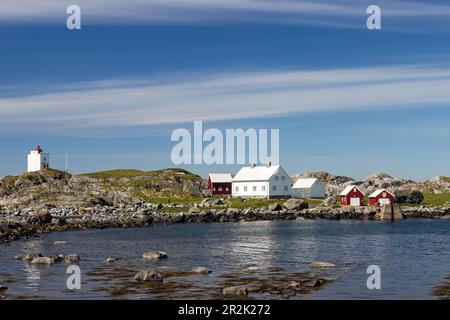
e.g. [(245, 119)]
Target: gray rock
[(253, 269), (274, 207), (242, 290), (155, 255), (72, 258), (319, 265), (296, 204), (56, 243), (195, 210), (330, 201), (43, 260), (149, 275), (201, 270), (110, 260), (314, 283), (31, 256)]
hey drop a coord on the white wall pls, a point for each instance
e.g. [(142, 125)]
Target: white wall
[(38, 161), (317, 190), (283, 185), (264, 189), (246, 189)]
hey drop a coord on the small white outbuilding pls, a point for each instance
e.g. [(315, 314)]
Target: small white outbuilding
[(269, 181), (308, 188)]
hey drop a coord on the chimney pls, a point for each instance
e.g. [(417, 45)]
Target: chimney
[(270, 163), (253, 165)]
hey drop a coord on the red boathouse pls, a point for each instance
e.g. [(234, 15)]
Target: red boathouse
[(380, 197), (352, 196), (219, 183)]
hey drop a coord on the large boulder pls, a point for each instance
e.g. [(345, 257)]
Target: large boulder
[(412, 197), (296, 204), (275, 207), (72, 258), (330, 201), (39, 217), (149, 275), (43, 260), (242, 290), (155, 255)]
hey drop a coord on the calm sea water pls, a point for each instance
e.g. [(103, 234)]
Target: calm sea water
[(414, 256)]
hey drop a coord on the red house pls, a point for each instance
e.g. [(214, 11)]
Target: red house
[(381, 196), (219, 183), (352, 196)]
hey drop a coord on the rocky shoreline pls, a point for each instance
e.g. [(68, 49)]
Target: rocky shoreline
[(29, 222)]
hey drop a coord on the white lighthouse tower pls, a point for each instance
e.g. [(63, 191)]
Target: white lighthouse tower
[(38, 160)]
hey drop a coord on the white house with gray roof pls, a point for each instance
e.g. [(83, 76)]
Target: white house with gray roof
[(269, 181)]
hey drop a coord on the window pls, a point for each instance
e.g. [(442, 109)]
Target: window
[(282, 178), (226, 189), (276, 178), (236, 188), (274, 188), (263, 188), (220, 188), (285, 188), (245, 188), (214, 189), (254, 188)]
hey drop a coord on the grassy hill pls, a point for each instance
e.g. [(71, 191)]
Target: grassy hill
[(56, 187)]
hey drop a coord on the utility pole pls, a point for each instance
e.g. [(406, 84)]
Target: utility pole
[(67, 161)]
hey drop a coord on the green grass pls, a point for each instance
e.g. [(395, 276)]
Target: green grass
[(132, 173), (260, 203), (177, 200), (431, 199)]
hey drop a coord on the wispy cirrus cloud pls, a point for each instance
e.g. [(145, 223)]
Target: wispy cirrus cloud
[(340, 13), (218, 97)]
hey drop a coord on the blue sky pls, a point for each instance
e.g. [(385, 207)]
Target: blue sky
[(346, 100)]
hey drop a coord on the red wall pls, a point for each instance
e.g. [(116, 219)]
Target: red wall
[(345, 200), (222, 185), (373, 201)]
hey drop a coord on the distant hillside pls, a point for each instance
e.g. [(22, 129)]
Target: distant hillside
[(53, 187), (335, 184)]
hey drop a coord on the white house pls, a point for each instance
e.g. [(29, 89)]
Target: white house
[(269, 181), (38, 160), (308, 188)]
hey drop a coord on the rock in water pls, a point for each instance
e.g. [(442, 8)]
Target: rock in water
[(72, 258), (43, 260), (240, 290), (253, 269), (110, 260), (156, 255), (296, 204), (201, 270), (319, 264), (31, 256), (314, 283), (56, 243), (149, 275)]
